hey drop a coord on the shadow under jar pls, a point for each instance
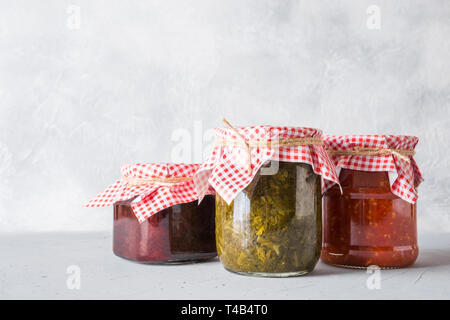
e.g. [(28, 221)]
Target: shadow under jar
[(273, 227), (368, 224), (182, 233)]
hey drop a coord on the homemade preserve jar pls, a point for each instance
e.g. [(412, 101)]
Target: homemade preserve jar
[(157, 218), (367, 224), (268, 210), (181, 233)]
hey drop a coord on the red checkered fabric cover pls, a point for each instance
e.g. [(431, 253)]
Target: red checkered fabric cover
[(408, 173), (150, 198), (226, 169)]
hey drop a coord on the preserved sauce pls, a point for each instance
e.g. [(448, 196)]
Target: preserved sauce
[(178, 234), (368, 224), (273, 227)]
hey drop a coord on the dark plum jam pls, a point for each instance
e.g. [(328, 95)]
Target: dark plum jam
[(179, 234)]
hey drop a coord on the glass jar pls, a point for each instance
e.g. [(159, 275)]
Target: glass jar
[(179, 234), (273, 227), (368, 224)]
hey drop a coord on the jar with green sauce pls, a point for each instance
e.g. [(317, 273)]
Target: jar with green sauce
[(268, 198), (273, 227)]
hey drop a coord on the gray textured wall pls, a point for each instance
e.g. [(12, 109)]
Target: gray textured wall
[(88, 85)]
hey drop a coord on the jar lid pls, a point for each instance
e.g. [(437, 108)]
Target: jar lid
[(390, 153), (240, 152), (155, 187)]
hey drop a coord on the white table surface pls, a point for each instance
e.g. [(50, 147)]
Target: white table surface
[(33, 266)]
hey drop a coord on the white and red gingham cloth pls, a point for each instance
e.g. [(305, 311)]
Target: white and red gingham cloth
[(227, 171), (407, 174), (150, 198)]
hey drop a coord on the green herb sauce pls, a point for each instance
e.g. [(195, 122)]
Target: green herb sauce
[(274, 225)]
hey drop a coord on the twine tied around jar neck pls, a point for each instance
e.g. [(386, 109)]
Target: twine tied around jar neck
[(360, 151), (248, 144), (155, 181)]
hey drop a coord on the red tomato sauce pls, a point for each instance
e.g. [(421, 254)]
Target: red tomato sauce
[(368, 224)]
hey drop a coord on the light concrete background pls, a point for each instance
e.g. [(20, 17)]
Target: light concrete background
[(88, 85)]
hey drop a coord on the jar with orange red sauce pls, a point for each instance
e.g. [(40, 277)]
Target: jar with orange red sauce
[(367, 224)]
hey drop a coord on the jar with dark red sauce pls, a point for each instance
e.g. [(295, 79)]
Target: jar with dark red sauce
[(158, 217), (367, 224), (179, 234)]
